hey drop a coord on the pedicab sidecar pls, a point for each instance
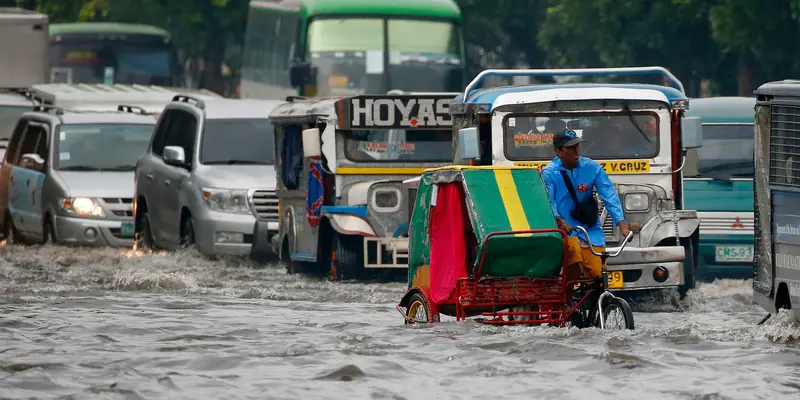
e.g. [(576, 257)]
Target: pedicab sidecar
[(483, 240)]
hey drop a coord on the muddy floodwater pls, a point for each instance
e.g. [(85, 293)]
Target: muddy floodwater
[(110, 324)]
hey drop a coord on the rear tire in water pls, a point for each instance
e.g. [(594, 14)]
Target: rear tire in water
[(617, 314), (419, 310), (349, 261)]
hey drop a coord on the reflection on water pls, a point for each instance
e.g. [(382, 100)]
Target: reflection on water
[(116, 324)]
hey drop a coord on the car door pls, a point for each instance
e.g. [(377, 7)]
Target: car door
[(185, 136), (11, 157), (149, 168), (25, 200)]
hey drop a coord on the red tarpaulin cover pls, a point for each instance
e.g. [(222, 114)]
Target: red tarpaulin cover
[(448, 248)]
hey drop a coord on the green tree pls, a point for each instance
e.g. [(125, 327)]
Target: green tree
[(674, 34)]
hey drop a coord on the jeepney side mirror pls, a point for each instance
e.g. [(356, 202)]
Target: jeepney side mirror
[(691, 133), (468, 144), (312, 144)]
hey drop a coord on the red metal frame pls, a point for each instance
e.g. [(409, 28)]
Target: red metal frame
[(549, 295)]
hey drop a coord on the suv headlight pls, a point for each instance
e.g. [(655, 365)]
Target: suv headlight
[(226, 200), (637, 201), (82, 206), (386, 199)]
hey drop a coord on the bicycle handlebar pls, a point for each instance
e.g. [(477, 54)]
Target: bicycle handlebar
[(591, 246)]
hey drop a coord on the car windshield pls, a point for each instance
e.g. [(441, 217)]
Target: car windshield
[(349, 55), (101, 147), (607, 136), (9, 116), (238, 141), (727, 152), (397, 145)]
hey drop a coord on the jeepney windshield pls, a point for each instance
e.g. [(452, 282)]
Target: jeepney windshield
[(727, 152), (352, 57), (607, 136), (398, 145)]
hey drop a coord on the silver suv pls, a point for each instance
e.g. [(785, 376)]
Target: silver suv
[(194, 181), (67, 176)]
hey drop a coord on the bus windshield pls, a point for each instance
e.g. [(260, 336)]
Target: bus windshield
[(727, 151), (398, 145), (86, 60), (607, 136), (351, 56)]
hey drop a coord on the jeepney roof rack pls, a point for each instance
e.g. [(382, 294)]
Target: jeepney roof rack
[(48, 108), (132, 109), (623, 71), (184, 98)]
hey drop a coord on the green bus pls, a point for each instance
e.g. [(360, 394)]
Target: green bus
[(113, 52), (350, 47)]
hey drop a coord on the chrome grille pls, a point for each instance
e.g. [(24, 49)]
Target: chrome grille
[(119, 206), (608, 224), (264, 204), (712, 223), (784, 146)]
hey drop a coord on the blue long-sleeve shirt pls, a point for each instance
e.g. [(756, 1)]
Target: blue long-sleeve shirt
[(591, 174)]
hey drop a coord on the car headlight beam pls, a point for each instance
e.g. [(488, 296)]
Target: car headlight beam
[(83, 206)]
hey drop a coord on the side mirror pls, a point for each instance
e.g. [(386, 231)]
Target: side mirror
[(174, 155), (691, 133), (32, 161), (312, 146), (468, 144), (301, 74)]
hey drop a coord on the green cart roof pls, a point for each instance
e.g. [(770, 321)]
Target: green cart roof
[(106, 27)]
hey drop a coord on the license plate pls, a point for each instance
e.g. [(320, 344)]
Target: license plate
[(615, 280), (734, 254), (127, 230)]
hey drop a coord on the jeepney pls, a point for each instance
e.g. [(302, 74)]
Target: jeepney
[(718, 183), (637, 132), (341, 164), (776, 281)]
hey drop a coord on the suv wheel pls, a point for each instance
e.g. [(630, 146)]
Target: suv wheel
[(187, 233), (144, 235)]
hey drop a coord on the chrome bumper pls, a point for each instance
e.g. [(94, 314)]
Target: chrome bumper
[(224, 233), (91, 232), (639, 263)]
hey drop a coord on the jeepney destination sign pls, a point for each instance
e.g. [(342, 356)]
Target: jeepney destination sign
[(397, 112)]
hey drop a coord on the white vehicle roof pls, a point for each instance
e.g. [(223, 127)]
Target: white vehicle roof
[(239, 108), (583, 93), (86, 97)]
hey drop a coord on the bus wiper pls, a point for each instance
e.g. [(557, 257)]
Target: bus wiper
[(232, 162), (79, 168)]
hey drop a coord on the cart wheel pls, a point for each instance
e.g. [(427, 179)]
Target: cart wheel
[(617, 314), (418, 310)]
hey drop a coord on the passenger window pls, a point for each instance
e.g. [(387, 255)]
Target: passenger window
[(189, 134), (30, 140), (42, 146), (12, 152), (160, 134)]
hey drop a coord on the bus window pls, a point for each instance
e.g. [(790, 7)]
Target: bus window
[(126, 58)]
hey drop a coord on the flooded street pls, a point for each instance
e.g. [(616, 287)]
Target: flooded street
[(109, 324)]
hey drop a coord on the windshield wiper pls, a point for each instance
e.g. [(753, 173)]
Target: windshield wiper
[(729, 166), (79, 168), (118, 168), (232, 162)]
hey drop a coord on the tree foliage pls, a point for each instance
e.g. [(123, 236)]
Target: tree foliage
[(719, 47)]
